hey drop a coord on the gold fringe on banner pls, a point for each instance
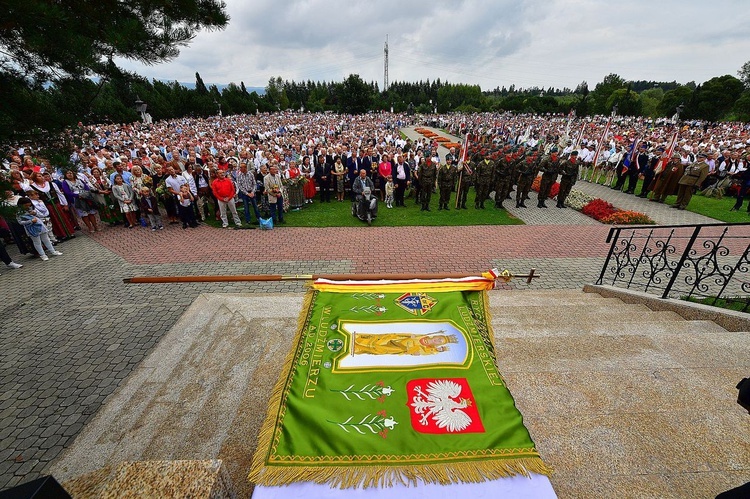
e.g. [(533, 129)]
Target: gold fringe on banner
[(474, 471), (352, 477), (274, 403)]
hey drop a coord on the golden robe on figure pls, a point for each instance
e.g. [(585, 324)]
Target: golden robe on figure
[(401, 343)]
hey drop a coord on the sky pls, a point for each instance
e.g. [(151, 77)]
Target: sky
[(490, 43)]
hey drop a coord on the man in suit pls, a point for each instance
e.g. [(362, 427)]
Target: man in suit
[(401, 177), (323, 176), (353, 165)]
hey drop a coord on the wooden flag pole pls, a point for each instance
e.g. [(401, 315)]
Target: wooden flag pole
[(307, 277)]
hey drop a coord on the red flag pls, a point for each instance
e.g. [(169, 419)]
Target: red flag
[(601, 141), (667, 155), (464, 152)]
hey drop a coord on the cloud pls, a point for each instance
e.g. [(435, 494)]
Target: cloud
[(490, 43)]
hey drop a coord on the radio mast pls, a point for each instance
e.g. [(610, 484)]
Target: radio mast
[(385, 65)]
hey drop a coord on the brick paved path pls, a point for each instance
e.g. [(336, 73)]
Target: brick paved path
[(71, 331)]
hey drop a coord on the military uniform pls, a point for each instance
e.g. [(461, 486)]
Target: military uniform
[(464, 183), (527, 172), (502, 180), (515, 164), (483, 181), (446, 180), (549, 167), (569, 175), (693, 177), (427, 175)]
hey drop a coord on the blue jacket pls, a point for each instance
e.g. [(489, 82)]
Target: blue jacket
[(32, 229)]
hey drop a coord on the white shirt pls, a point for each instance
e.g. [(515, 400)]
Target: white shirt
[(190, 182), (174, 182)]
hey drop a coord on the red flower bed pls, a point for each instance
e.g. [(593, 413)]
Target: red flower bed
[(601, 210), (598, 209), (624, 217)]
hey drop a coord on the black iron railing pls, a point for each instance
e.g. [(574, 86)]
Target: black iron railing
[(710, 261)]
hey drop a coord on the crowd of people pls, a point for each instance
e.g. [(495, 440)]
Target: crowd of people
[(183, 171)]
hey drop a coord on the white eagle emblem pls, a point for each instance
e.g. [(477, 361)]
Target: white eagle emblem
[(442, 403)]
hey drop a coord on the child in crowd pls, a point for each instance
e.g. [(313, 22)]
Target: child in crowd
[(187, 213), (42, 212), (150, 208), (35, 228), (389, 192)]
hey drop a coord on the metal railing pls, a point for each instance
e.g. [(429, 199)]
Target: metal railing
[(682, 261)]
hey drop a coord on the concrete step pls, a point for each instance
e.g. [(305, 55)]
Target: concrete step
[(554, 315), (652, 327), (544, 297)]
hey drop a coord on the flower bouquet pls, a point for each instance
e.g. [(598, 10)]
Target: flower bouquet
[(161, 190)]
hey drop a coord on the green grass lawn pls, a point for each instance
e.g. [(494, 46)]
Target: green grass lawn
[(736, 303), (717, 209), (338, 214)]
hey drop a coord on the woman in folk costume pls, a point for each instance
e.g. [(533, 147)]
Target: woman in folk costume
[(308, 171), (102, 190), (56, 204), (80, 198), (295, 187)]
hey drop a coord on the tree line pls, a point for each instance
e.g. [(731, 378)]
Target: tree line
[(54, 77), (72, 100)]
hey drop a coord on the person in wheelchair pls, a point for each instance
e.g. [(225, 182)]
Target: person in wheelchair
[(365, 206)]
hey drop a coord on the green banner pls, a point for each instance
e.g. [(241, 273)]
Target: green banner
[(393, 386)]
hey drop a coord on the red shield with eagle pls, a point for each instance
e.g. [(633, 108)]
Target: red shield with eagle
[(443, 406)]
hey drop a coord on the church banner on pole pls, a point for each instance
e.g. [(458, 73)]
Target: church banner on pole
[(393, 382)]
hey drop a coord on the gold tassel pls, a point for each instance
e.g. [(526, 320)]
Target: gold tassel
[(352, 477)]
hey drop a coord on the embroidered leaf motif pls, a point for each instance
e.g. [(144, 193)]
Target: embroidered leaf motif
[(376, 424), (368, 392)]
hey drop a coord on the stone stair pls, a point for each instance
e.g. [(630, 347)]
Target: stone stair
[(621, 401)]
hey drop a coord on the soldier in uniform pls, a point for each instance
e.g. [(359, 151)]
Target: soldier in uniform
[(465, 174), (569, 175), (693, 177), (502, 179), (446, 180), (452, 155), (666, 181), (427, 176), (482, 180), (527, 172), (549, 167), (515, 161)]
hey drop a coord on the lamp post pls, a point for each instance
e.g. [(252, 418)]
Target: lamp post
[(678, 111), (141, 106)]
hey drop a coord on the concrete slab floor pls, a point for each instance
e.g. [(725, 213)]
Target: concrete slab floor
[(631, 414)]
